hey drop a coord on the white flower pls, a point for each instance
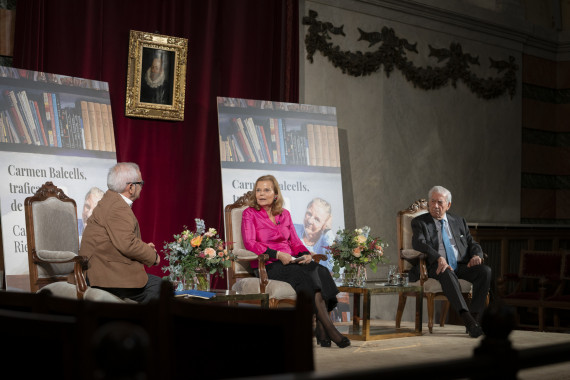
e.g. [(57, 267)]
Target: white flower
[(211, 232)]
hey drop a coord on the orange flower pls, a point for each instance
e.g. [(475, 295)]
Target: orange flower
[(356, 252), (196, 241)]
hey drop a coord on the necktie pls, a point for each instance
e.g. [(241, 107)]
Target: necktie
[(451, 259)]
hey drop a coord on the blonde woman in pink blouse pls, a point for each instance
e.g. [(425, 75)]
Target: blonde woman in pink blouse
[(267, 228)]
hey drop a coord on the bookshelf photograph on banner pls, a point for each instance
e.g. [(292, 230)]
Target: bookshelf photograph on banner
[(296, 143), (52, 128)]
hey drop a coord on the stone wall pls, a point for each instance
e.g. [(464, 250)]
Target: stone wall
[(399, 139)]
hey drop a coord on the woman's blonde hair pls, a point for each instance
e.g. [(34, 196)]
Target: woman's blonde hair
[(277, 206)]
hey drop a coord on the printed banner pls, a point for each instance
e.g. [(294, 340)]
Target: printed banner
[(298, 144), (52, 128)]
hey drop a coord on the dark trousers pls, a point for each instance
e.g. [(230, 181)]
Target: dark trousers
[(478, 275), (149, 292)]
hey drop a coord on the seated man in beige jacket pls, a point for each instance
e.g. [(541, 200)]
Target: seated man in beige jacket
[(112, 240)]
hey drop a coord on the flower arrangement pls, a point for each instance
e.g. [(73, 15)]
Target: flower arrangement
[(356, 248), (194, 252)]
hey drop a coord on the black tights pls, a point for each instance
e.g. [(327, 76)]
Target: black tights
[(325, 327)]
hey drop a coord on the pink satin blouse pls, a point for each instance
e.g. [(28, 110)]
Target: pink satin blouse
[(259, 233)]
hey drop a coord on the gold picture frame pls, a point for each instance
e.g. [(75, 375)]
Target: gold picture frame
[(156, 77)]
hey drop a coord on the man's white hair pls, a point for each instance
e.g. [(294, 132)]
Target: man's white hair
[(120, 174), (440, 190)]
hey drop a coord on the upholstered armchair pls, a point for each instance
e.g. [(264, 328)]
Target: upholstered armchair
[(538, 279), (241, 277), (53, 246), (408, 257), (561, 298), (53, 240)]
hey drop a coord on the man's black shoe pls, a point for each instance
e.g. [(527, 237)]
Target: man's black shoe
[(473, 328), (474, 331)]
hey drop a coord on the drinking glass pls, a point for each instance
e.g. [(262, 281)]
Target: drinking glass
[(392, 270)]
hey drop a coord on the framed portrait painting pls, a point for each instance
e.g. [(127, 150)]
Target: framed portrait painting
[(156, 77)]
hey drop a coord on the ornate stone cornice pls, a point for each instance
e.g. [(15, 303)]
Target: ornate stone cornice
[(391, 54)]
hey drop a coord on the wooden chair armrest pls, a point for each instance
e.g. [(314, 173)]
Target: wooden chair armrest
[(423, 269), (38, 259), (80, 264), (261, 259), (247, 259), (508, 278), (411, 254), (560, 289), (318, 257), (542, 293), (263, 279)]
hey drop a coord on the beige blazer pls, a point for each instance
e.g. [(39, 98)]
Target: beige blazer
[(112, 243)]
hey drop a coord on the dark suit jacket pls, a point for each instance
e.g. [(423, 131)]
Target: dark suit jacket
[(112, 242), (425, 238)]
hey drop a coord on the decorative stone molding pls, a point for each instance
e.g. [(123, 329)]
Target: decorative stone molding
[(392, 54)]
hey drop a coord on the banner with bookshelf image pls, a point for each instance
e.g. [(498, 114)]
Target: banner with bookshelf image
[(276, 133), (296, 143), (52, 128), (55, 111)]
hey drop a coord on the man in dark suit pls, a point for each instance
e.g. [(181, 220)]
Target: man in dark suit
[(452, 254), (112, 240)]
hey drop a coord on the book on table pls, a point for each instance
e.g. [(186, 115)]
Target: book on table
[(191, 293)]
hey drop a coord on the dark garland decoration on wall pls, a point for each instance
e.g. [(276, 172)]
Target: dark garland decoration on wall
[(391, 54)]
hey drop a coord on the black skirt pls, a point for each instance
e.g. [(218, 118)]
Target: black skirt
[(309, 278)]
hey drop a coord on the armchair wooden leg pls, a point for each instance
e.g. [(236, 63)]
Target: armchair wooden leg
[(401, 304), (517, 317), (444, 312), (540, 318), (556, 319), (430, 307)]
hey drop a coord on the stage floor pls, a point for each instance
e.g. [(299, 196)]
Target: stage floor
[(449, 342)]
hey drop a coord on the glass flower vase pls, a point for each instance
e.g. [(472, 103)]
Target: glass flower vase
[(348, 276), (203, 281), (354, 275), (188, 281), (360, 276)]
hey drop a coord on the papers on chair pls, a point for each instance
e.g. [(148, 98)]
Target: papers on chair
[(194, 294)]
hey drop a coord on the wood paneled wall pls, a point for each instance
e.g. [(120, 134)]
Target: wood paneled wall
[(545, 171)]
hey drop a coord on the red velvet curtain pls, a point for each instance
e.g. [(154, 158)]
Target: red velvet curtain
[(246, 49)]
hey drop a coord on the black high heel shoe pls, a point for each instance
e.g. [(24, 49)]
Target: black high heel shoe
[(320, 332), (324, 342), (344, 342)]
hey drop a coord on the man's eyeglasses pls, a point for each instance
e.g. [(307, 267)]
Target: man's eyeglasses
[(136, 183)]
